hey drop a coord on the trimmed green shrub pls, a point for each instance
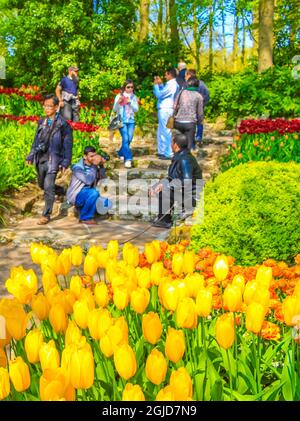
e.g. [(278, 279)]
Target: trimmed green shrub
[(252, 212)]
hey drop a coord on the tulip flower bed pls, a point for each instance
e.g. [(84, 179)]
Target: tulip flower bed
[(265, 140), (162, 324)]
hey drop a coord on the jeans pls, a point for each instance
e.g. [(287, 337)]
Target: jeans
[(127, 134), (199, 133), (164, 135), (70, 111), (86, 202), (189, 129), (46, 182)]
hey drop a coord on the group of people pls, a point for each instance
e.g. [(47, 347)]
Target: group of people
[(182, 97)]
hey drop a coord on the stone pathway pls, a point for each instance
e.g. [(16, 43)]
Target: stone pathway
[(15, 239)]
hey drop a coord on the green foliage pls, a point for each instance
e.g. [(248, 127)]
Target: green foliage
[(252, 212), (262, 147), (273, 93)]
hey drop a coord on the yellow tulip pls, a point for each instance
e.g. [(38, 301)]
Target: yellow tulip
[(225, 330), (181, 288), (40, 306), (133, 393), (68, 301), (157, 271), (175, 345), (90, 265), (82, 367), (150, 253), (232, 298), (204, 303), (177, 263), (188, 262), (143, 277), (76, 285), (264, 276), (290, 308), (51, 262), (33, 342), (3, 358), (102, 259), (133, 256), (16, 321), (73, 333), (81, 313), (169, 296), (121, 298), (249, 291), (125, 361), (186, 315), (113, 249), (166, 394), (152, 327), (23, 285), (221, 268), (239, 281), (36, 252), (156, 367), (87, 296), (101, 294), (106, 346), (64, 262), (19, 374), (54, 386), (76, 255), (49, 279), (118, 333), (94, 323), (139, 300), (49, 356), (4, 383), (181, 383), (194, 283), (255, 315), (262, 296), (58, 318)]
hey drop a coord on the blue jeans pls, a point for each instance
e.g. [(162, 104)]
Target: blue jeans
[(86, 202), (127, 134), (199, 133)]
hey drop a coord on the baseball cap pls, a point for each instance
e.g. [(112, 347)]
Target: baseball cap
[(73, 68)]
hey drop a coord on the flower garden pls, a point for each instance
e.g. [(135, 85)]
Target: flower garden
[(216, 318), (163, 324)]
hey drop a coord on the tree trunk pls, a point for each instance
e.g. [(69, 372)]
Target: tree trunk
[(244, 41), (144, 19), (265, 43), (211, 32), (196, 40), (235, 49), (174, 35), (160, 20), (224, 34)]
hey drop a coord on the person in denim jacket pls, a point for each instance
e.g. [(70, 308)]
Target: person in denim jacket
[(126, 105), (51, 152)]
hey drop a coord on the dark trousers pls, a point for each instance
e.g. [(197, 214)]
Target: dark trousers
[(70, 111), (46, 182), (184, 197), (189, 129)]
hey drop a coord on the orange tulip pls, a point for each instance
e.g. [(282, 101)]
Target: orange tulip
[(3, 359), (225, 330), (156, 367), (175, 345), (152, 327)]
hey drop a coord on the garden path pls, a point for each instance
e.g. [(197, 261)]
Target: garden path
[(22, 230)]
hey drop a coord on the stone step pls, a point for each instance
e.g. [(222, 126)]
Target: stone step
[(137, 173)]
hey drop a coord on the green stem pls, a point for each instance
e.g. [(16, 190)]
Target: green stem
[(205, 356), (235, 350), (229, 370), (258, 364)]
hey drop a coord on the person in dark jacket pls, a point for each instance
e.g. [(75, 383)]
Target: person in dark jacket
[(51, 152), (82, 191), (181, 185), (67, 93)]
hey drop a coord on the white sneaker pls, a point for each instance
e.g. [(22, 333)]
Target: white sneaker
[(121, 158), (127, 164)]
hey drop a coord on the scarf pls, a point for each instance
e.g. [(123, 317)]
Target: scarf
[(128, 113)]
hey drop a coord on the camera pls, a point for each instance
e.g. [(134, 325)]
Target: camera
[(104, 155), (41, 147)]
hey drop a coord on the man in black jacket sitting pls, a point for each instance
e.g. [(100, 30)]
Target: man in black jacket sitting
[(181, 185)]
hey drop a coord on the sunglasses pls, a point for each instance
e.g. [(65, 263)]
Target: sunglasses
[(129, 87)]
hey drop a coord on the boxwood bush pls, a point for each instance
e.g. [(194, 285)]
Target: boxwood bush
[(252, 212)]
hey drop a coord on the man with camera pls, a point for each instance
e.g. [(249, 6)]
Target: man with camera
[(51, 152), (82, 191), (67, 93)]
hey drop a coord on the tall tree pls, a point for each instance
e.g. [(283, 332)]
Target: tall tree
[(266, 36), (144, 19), (174, 34)]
